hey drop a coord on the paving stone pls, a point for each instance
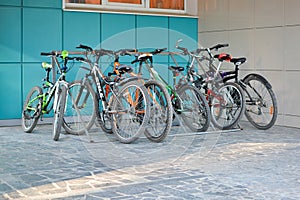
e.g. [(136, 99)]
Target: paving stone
[(248, 164)]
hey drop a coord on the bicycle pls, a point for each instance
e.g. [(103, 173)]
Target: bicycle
[(39, 103), (261, 104), (160, 103), (226, 100), (127, 107), (187, 101)]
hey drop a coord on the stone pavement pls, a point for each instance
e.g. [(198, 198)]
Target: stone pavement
[(243, 164)]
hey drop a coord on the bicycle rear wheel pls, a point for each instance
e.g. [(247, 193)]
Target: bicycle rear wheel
[(32, 109), (103, 117), (261, 104), (160, 112), (80, 108), (130, 112), (195, 111), (227, 106), (59, 110)]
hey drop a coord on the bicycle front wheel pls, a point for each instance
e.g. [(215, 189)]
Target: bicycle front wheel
[(160, 111), (194, 108), (32, 109), (227, 106), (261, 104), (80, 108), (130, 112), (59, 110)]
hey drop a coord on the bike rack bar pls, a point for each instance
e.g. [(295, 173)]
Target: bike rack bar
[(206, 132)]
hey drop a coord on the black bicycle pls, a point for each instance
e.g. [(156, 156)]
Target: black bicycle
[(260, 100)]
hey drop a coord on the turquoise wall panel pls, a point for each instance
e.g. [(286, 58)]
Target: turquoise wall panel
[(42, 31), (11, 2), (43, 3), (118, 31), (10, 91), (75, 73), (85, 31), (152, 32), (10, 37), (185, 29), (33, 75)]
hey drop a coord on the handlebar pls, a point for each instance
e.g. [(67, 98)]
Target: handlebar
[(52, 53), (55, 53), (102, 52), (143, 56), (197, 51), (218, 46), (158, 51), (123, 52), (85, 47)]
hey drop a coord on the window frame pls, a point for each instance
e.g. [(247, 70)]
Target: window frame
[(129, 8), (121, 5)]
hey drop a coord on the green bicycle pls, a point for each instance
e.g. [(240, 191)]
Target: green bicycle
[(66, 113)]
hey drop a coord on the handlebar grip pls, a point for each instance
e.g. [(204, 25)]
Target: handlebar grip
[(81, 46), (48, 53), (80, 59), (218, 46), (157, 51)]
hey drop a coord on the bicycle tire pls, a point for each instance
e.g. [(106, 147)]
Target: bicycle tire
[(103, 119), (265, 102), (227, 106), (130, 118), (59, 110), (161, 112), (79, 118), (30, 117), (195, 110)]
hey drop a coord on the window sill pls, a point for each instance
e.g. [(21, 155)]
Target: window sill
[(127, 10)]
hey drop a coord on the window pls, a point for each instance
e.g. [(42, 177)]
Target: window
[(126, 1), (145, 6), (84, 1), (165, 4)]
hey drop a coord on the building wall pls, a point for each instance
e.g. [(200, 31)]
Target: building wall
[(267, 33), (31, 26)]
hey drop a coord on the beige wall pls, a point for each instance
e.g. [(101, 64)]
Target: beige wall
[(267, 32)]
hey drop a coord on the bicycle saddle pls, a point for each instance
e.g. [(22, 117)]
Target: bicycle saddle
[(179, 69), (223, 57), (124, 68), (238, 61)]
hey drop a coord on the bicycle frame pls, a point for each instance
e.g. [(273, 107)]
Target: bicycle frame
[(95, 73), (226, 77), (48, 95)]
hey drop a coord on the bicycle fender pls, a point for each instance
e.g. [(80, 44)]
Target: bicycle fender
[(259, 77)]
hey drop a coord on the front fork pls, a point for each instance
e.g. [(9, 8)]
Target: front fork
[(63, 85)]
